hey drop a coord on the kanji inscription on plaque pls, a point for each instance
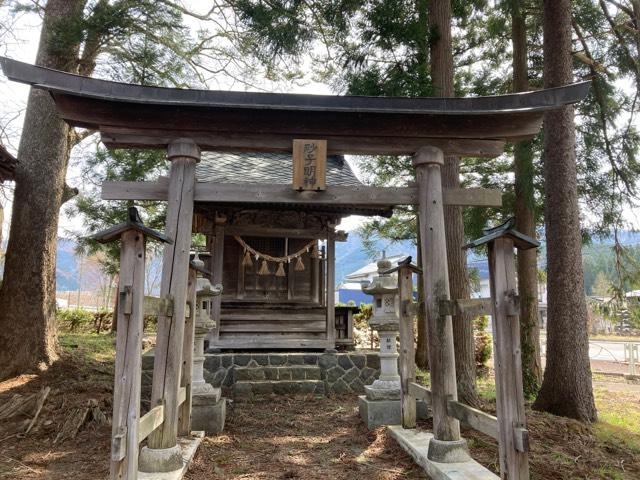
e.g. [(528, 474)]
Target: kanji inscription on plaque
[(309, 164)]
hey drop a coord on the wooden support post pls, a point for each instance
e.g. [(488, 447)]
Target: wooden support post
[(315, 277), (184, 418), (183, 154), (513, 441), (217, 261), (128, 369), (407, 348), (331, 288), (428, 162), (322, 276)]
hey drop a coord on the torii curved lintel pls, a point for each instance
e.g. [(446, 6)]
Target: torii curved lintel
[(150, 117)]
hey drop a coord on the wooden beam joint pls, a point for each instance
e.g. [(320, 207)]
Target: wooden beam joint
[(165, 306), (521, 439), (126, 299), (512, 303), (473, 307), (409, 308), (119, 445)]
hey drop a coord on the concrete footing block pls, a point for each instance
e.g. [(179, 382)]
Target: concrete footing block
[(150, 459), (160, 460), (448, 451), (417, 444), (208, 414), (375, 413)]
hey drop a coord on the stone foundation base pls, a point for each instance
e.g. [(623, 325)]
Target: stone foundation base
[(375, 413), (208, 413), (186, 448), (416, 443)]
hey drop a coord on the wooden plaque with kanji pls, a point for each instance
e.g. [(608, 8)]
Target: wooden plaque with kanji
[(309, 164)]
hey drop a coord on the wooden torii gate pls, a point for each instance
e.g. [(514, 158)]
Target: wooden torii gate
[(187, 121)]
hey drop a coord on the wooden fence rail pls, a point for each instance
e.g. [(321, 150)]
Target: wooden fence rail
[(474, 418), (420, 392), (155, 417), (150, 421)]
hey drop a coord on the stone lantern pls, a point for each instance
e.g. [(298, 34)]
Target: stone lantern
[(381, 404), (208, 408)]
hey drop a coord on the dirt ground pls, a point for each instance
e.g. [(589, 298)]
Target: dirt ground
[(301, 438), (37, 454)]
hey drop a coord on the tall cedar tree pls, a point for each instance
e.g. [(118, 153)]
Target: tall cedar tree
[(525, 216), (441, 60), (27, 297), (73, 36), (566, 388)]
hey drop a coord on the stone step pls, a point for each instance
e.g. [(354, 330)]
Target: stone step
[(250, 390), (277, 373)]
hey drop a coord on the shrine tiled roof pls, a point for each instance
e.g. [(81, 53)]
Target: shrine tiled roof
[(269, 168)]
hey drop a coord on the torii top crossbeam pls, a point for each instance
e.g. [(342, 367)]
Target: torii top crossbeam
[(150, 117)]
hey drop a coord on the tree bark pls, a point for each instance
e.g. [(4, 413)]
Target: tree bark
[(441, 58), (28, 294), (566, 388), (525, 219)]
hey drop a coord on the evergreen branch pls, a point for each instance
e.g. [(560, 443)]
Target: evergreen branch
[(622, 7), (600, 100)]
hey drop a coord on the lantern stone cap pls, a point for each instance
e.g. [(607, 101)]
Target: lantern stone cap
[(382, 283), (204, 288), (406, 263), (507, 230), (133, 222), (198, 265)]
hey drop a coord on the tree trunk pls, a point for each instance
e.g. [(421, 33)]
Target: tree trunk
[(441, 58), (28, 294), (525, 220), (566, 387)]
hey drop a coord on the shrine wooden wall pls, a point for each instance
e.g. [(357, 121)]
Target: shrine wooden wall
[(269, 311)]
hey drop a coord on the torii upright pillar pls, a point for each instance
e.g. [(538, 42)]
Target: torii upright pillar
[(163, 453), (446, 446)]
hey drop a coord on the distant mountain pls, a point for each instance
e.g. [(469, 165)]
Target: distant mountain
[(350, 256)]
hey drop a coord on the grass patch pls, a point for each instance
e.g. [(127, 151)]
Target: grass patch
[(599, 377), (618, 418), (423, 377), (487, 388), (93, 347)]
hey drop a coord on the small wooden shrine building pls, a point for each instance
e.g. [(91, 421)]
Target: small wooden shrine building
[(275, 261)]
